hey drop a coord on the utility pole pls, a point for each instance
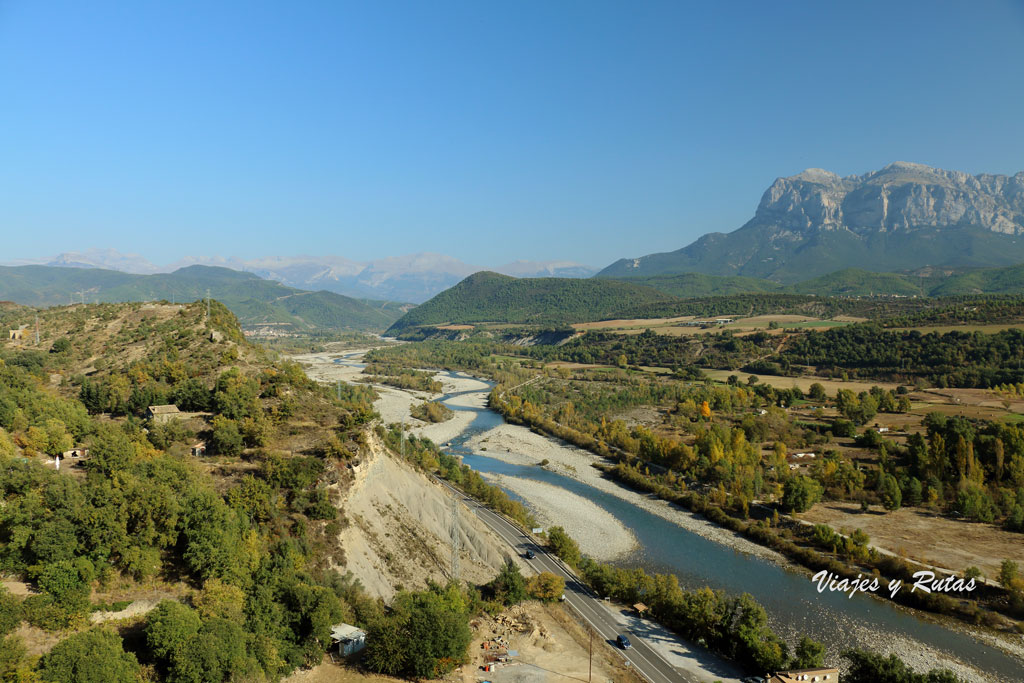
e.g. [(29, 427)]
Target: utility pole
[(207, 304), (37, 329)]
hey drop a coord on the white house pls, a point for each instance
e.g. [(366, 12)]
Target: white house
[(348, 638)]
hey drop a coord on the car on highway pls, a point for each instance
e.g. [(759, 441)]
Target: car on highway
[(530, 554), (623, 642)]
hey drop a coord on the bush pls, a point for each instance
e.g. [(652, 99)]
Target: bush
[(93, 656), (800, 494), (10, 612), (226, 438), (545, 586), (62, 345), (564, 546), (509, 586), (425, 636), (432, 411)]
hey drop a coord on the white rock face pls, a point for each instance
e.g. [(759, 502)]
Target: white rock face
[(900, 197)]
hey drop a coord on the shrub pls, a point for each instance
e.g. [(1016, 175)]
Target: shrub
[(93, 656), (545, 586), (800, 494)]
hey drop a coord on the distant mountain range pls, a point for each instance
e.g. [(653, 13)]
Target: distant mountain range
[(411, 278), (903, 217), (251, 298)]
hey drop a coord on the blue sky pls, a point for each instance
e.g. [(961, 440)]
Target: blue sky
[(490, 131)]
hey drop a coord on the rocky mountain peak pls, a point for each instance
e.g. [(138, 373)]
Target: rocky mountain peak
[(902, 196)]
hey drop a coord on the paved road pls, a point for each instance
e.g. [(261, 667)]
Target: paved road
[(641, 656)]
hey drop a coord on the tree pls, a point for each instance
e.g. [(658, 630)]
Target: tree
[(170, 627), (93, 656), (1009, 576), (68, 584), (425, 636), (817, 392), (889, 492), (564, 546), (226, 438), (509, 586), (111, 451), (868, 667), (545, 586), (800, 494), (809, 654), (62, 345), (386, 647), (10, 612), (219, 599)]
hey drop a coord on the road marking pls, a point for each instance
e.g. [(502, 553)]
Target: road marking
[(504, 528)]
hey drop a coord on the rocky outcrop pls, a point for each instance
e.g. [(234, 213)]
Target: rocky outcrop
[(903, 217), (901, 196)]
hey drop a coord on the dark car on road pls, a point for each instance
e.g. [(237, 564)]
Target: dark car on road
[(623, 642), (530, 554)]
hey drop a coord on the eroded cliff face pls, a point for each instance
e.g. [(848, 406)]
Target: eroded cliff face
[(900, 197), (399, 533)]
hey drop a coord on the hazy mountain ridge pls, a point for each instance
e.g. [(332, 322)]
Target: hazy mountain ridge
[(252, 299), (412, 277), (901, 217)]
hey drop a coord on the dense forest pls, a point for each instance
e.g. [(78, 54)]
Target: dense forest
[(951, 359), (248, 551), (489, 297)]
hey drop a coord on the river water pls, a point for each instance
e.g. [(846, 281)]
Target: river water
[(793, 604)]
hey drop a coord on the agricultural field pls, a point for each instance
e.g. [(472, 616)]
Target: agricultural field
[(926, 536), (803, 383)]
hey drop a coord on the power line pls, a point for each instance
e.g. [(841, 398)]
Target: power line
[(456, 538)]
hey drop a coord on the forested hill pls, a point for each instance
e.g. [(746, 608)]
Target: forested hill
[(849, 282), (238, 551), (253, 299), (490, 297)]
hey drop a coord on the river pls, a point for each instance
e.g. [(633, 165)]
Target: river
[(794, 605)]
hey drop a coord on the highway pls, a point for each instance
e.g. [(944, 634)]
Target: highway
[(642, 657)]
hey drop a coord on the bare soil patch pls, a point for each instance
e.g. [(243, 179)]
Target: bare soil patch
[(632, 322), (926, 537), (804, 383)]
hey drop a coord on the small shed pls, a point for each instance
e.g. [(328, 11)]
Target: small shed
[(162, 414), (640, 608), (348, 638), (76, 453), (198, 448)]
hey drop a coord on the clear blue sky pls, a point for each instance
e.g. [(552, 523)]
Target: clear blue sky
[(486, 130)]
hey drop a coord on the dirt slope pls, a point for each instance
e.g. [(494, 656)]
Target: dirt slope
[(399, 533)]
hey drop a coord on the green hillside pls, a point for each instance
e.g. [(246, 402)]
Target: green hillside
[(984, 281), (490, 297), (846, 282), (858, 282), (251, 298), (687, 285)]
